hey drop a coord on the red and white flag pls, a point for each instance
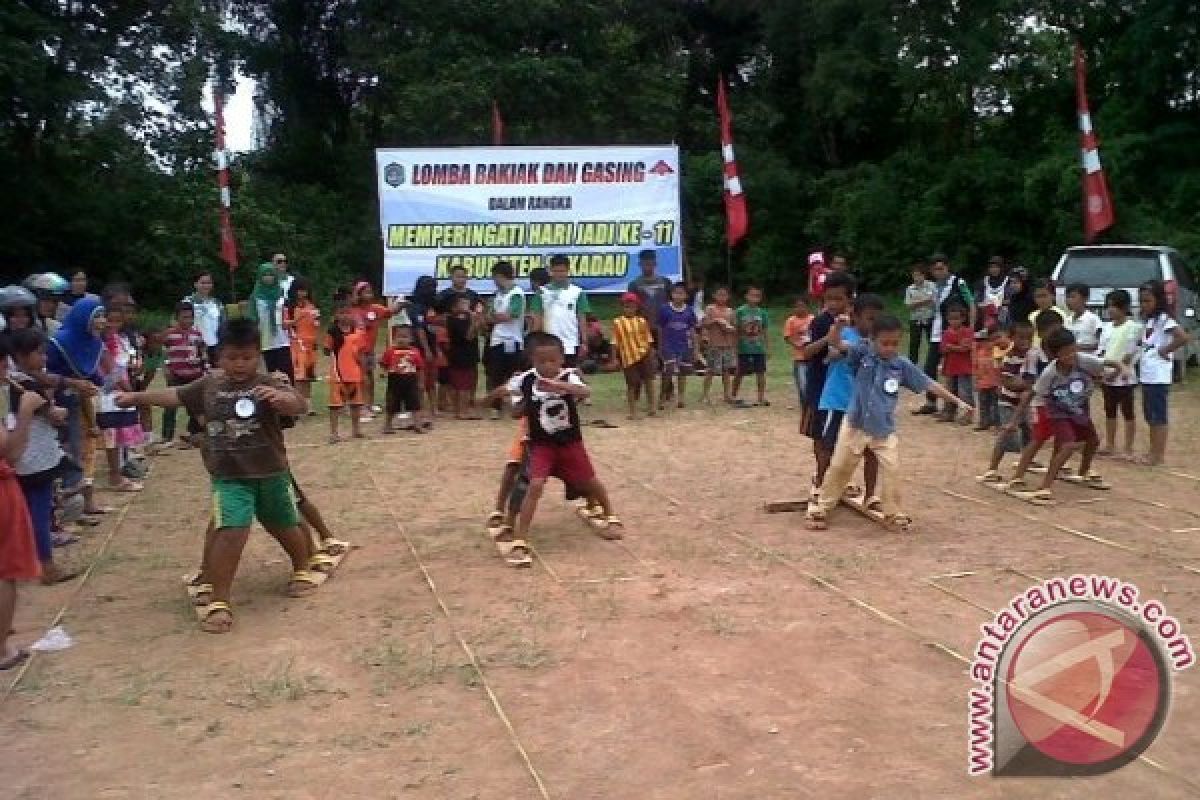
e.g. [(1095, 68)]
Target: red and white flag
[(1098, 212), (497, 125), (221, 157), (737, 219)]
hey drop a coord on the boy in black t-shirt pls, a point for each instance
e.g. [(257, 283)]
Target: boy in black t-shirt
[(837, 295), (463, 325), (547, 396)]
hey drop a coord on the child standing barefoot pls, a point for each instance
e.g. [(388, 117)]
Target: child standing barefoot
[(677, 324), (1161, 337), (632, 340), (870, 422), (795, 331), (347, 345), (245, 455), (1119, 348), (548, 398), (18, 555), (720, 335), (752, 324)]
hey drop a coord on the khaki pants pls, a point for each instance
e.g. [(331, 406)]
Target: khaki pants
[(851, 444)]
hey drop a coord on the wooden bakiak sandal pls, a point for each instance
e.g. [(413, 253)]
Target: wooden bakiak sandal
[(220, 625)]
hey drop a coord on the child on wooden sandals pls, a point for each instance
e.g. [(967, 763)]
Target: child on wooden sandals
[(245, 455), (870, 423), (548, 395)]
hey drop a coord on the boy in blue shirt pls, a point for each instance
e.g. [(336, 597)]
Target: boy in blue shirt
[(877, 372), (838, 388)]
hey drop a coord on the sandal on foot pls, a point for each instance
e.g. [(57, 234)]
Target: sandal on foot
[(302, 583), (609, 527), (334, 547), (222, 623), (516, 553), (203, 595), (873, 504), (98, 511), (1093, 480), (321, 562), (17, 659), (899, 523), (991, 476), (814, 518), (1042, 496)]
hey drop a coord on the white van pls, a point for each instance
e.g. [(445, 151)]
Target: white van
[(1106, 267)]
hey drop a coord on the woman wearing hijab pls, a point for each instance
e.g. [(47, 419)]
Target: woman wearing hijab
[(1020, 303), (265, 307), (75, 355)]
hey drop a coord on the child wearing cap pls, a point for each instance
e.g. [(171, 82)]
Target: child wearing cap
[(635, 354)]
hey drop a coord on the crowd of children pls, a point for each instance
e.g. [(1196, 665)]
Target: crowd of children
[(78, 371)]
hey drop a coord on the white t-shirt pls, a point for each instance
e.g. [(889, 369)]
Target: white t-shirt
[(1086, 328), (208, 313), (285, 283), (560, 314), (511, 333), (280, 339), (1117, 342), (1157, 333)]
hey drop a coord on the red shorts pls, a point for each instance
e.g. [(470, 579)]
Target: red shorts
[(464, 379), (1042, 427), (567, 462), (1063, 431)]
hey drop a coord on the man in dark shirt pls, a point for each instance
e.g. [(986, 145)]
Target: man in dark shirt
[(458, 287), (654, 293)]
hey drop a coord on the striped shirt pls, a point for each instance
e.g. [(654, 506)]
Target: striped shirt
[(631, 335), (1010, 367), (183, 351)]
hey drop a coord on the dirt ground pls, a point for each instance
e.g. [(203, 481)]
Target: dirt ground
[(698, 659)]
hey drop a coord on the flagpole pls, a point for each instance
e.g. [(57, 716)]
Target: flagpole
[(729, 268)]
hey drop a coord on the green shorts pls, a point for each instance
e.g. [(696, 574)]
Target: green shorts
[(237, 502)]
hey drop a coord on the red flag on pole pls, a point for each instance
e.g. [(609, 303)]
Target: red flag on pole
[(497, 125), (1098, 212), (737, 220), (228, 243)]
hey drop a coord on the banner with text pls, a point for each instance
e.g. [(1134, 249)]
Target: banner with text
[(472, 207)]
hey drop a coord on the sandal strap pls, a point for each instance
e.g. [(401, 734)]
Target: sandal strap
[(214, 607)]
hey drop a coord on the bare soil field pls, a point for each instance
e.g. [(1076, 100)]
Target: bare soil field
[(717, 652)]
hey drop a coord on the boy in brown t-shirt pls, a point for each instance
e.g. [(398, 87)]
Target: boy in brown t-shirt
[(245, 456)]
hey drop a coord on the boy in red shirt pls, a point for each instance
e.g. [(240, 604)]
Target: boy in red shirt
[(347, 344), (404, 366), (185, 360), (958, 347)]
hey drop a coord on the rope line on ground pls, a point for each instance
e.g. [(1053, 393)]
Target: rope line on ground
[(462, 642)]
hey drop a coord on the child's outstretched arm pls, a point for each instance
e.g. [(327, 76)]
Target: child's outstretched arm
[(944, 393), (163, 398)]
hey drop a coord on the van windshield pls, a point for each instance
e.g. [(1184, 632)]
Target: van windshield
[(1120, 269)]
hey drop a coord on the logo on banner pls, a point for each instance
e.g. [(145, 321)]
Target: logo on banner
[(662, 169), (393, 174)]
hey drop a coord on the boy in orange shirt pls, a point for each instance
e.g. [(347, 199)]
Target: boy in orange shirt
[(795, 331), (990, 348), (346, 343)]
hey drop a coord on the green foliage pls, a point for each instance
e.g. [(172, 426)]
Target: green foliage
[(884, 129)]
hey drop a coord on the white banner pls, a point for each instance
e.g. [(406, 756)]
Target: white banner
[(471, 207)]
